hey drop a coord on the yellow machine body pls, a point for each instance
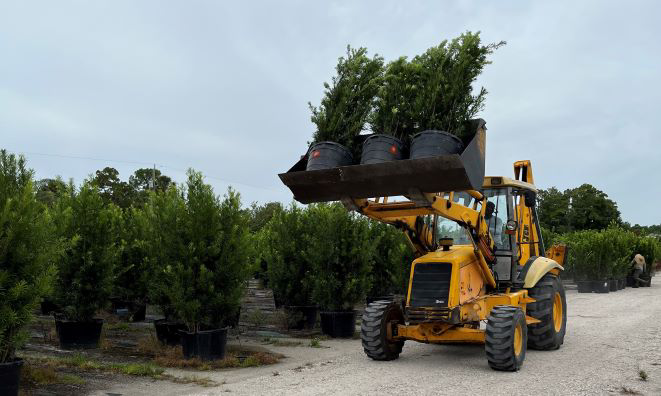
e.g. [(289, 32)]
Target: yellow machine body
[(471, 294)]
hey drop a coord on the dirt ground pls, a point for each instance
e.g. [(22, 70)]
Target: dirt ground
[(612, 340)]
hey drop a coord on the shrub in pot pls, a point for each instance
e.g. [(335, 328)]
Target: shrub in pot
[(203, 253), (281, 242), (581, 258), (85, 272), (341, 252), (429, 100), (164, 215), (28, 248), (392, 262), (344, 109), (617, 249), (133, 273)]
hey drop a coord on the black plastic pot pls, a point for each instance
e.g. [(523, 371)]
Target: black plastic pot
[(630, 282), (48, 307), (328, 155), (79, 335), (338, 324), (205, 344), (613, 285), (584, 286), (169, 333), (301, 317), (621, 283), (434, 143), (381, 148), (10, 377), (648, 279), (601, 286)]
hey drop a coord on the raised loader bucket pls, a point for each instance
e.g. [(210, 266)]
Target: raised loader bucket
[(455, 172)]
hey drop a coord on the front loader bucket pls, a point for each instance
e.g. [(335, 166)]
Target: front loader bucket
[(456, 172)]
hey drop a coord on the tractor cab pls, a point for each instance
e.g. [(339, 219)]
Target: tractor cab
[(513, 225), (512, 221)]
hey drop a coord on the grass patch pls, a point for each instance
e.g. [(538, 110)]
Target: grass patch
[(280, 343), (172, 356), (642, 374), (34, 376), (193, 379), (314, 343), (137, 369), (232, 360), (133, 369)]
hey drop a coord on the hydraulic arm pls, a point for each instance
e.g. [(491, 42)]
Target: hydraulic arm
[(409, 215)]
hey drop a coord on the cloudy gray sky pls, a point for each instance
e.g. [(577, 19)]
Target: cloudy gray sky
[(223, 86)]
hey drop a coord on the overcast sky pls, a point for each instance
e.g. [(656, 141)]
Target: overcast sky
[(223, 86)]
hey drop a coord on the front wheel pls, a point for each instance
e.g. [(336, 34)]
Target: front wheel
[(374, 330), (506, 338), (550, 308)]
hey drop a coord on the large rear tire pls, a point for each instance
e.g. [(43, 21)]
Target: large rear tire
[(506, 338), (550, 308), (374, 330)]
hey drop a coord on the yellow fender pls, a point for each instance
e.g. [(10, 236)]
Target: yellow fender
[(537, 268)]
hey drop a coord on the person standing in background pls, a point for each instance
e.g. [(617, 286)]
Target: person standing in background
[(638, 264)]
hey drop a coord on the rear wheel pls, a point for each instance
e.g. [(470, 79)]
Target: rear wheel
[(506, 338), (550, 308), (374, 330)]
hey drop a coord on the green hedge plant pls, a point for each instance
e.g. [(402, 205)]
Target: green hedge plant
[(133, 272), (282, 243), (348, 100), (340, 249), (202, 253), (392, 260), (434, 90), (28, 249), (86, 270)]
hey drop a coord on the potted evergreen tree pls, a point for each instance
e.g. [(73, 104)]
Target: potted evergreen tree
[(581, 258), (204, 259), (344, 109), (163, 210), (340, 248), (395, 115), (428, 101), (86, 270), (446, 101), (281, 242), (133, 272), (28, 248)]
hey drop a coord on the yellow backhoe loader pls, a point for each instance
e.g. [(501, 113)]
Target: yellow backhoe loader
[(481, 274)]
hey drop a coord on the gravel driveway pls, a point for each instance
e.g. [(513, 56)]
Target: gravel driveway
[(610, 338)]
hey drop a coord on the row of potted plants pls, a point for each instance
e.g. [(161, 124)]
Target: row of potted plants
[(187, 250), (600, 260), (325, 257), (424, 103)]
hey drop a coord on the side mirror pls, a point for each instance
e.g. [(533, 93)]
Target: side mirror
[(510, 227), (530, 198)]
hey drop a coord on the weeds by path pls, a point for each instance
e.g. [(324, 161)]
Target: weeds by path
[(133, 369)]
